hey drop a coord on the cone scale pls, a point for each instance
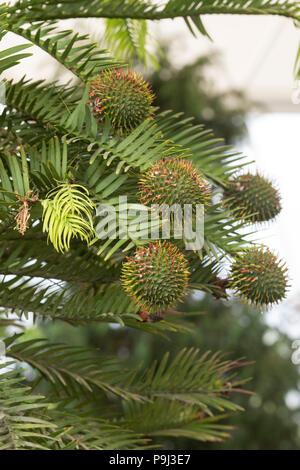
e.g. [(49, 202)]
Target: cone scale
[(123, 97), (252, 197), (156, 276), (259, 277), (174, 181)]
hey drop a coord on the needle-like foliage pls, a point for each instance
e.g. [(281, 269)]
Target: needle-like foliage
[(61, 162)]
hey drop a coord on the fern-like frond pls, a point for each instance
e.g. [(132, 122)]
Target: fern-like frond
[(47, 104), (66, 111), (222, 235), (56, 301), (162, 418), (142, 147), (152, 140), (140, 9), (10, 57), (202, 383), (203, 273), (75, 369), (202, 380), (80, 56), (14, 175), (32, 257), (138, 150), (87, 432), (36, 168), (23, 424), (77, 303), (216, 160), (129, 39), (68, 214), (26, 174), (17, 129), (27, 422), (48, 163)]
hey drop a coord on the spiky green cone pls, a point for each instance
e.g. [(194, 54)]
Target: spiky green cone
[(252, 196), (156, 277), (259, 277), (124, 97), (174, 181)]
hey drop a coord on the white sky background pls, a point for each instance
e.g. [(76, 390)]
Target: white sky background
[(257, 53), (257, 56)]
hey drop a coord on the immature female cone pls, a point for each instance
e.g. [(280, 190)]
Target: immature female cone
[(259, 276), (252, 196), (156, 276), (174, 181), (124, 97)]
